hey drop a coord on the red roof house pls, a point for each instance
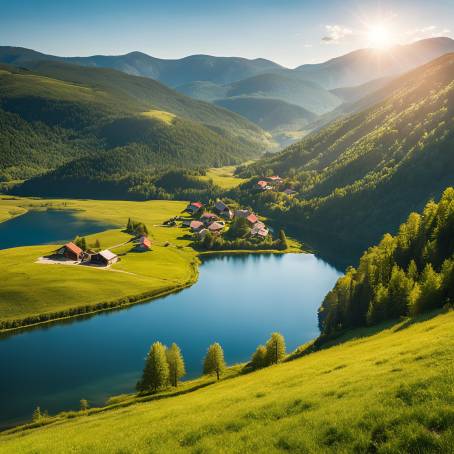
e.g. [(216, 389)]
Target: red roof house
[(215, 227), (252, 218), (145, 242), (71, 251), (196, 226), (194, 207)]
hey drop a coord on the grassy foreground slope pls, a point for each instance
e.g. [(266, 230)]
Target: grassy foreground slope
[(385, 392), (30, 289)]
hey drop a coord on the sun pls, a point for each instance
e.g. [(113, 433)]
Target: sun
[(379, 36)]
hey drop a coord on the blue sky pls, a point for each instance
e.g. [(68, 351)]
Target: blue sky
[(289, 32)]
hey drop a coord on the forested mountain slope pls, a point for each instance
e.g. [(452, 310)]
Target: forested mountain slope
[(51, 113), (408, 274), (360, 176)]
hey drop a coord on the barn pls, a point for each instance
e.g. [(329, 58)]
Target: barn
[(71, 251)]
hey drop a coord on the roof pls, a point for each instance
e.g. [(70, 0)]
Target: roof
[(108, 255), (215, 226), (252, 218), (262, 183), (274, 178), (221, 206), (242, 213), (289, 191), (208, 215), (145, 241), (196, 204), (73, 248), (196, 224)]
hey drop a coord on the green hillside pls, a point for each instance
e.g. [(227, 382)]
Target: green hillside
[(52, 113), (381, 391), (393, 157), (269, 113), (408, 274)]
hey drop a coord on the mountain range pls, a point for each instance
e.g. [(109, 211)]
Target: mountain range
[(321, 88)]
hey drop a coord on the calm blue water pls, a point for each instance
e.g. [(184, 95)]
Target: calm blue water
[(44, 227), (237, 301)]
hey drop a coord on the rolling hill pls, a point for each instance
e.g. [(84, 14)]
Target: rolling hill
[(220, 70), (72, 112), (385, 389), (393, 156)]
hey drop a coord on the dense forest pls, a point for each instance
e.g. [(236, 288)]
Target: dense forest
[(406, 274), (393, 157), (54, 113)]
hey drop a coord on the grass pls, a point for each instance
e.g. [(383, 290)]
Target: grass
[(166, 117), (223, 177), (384, 392), (33, 293), (30, 288)]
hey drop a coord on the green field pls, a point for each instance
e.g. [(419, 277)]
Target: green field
[(31, 288), (223, 177), (381, 391), (54, 291)]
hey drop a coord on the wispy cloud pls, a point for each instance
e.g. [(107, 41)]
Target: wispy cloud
[(336, 33), (428, 31)]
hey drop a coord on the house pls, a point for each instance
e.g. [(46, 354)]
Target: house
[(186, 222), (202, 234), (289, 191), (104, 258), (261, 232), (215, 227), (208, 218), (275, 179), (196, 226), (223, 210), (145, 243), (252, 219), (194, 207), (242, 213), (263, 185), (71, 251)]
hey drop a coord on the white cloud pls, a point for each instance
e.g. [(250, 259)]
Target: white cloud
[(336, 33)]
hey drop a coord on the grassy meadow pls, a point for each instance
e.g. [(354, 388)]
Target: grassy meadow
[(31, 288), (223, 177), (384, 390)]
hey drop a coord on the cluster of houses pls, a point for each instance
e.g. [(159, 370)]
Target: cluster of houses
[(273, 183), (73, 252), (216, 222)]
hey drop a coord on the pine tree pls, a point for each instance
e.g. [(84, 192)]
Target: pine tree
[(258, 359), (430, 296), (97, 244), (283, 244), (275, 349), (208, 241), (84, 404), (156, 372), (37, 416), (83, 244), (129, 227), (176, 364), (214, 360)]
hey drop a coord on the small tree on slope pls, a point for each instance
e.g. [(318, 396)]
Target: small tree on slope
[(214, 360), (156, 372), (176, 364)]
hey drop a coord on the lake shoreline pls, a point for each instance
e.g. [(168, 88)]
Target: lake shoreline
[(91, 310)]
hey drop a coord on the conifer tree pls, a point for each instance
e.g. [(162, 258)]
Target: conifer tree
[(275, 349), (156, 372), (430, 290), (283, 244), (258, 359), (129, 226), (214, 360), (176, 364)]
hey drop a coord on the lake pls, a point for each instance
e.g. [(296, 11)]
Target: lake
[(46, 227), (238, 301)]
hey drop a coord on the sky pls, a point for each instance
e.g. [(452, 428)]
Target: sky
[(289, 32)]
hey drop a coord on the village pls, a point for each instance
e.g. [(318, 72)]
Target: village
[(274, 183)]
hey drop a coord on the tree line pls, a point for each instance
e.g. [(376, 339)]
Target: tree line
[(406, 274), (165, 366)]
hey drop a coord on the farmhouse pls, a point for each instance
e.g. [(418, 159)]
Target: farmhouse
[(252, 219), (242, 213), (145, 243), (259, 230), (223, 210), (275, 179), (202, 234), (186, 223), (215, 227), (104, 258), (194, 207), (71, 251), (208, 218), (263, 185), (196, 226)]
